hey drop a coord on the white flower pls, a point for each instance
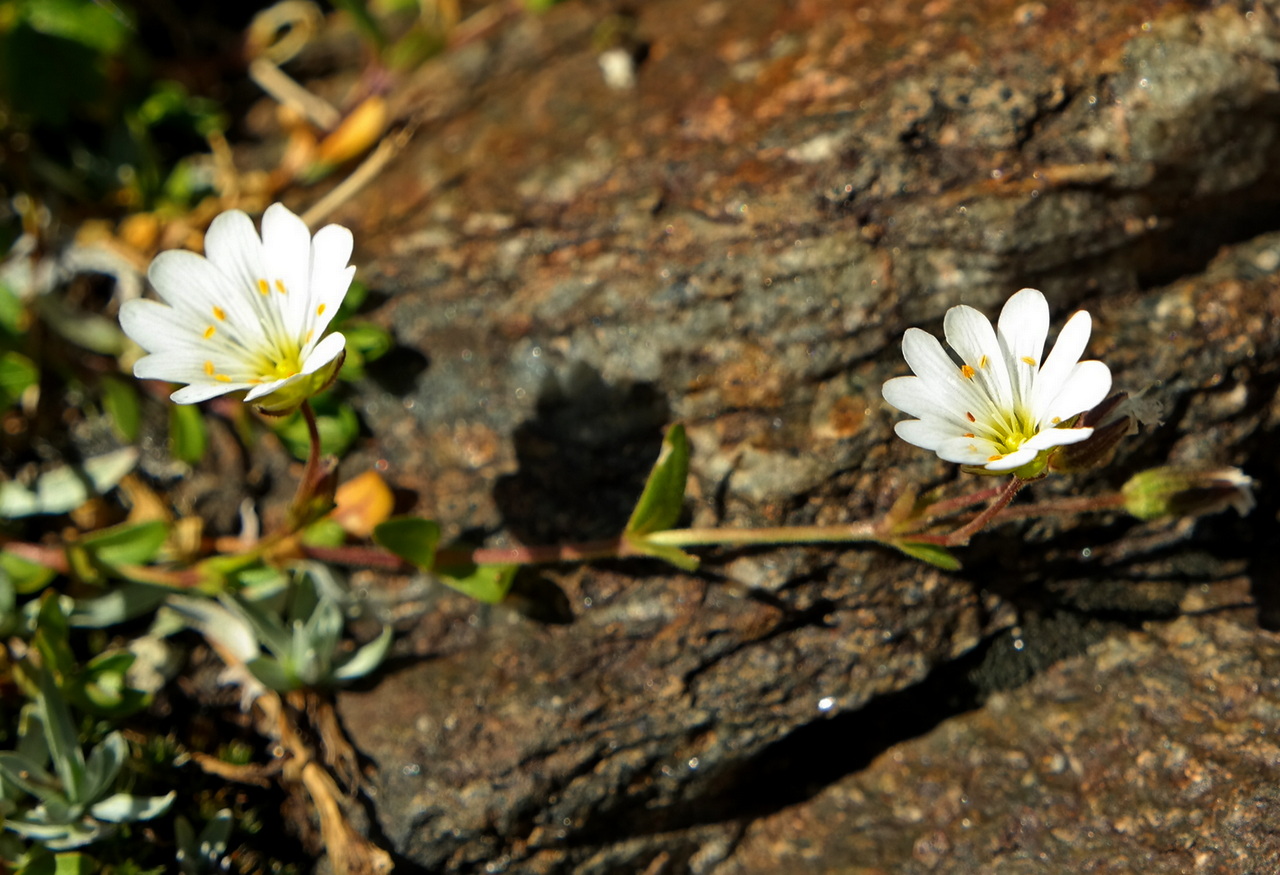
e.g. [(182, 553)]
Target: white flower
[(249, 315), (997, 407)]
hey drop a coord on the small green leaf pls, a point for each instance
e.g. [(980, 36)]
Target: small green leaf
[(413, 539), (324, 532), (484, 583), (663, 496), (122, 602), (666, 552), (930, 553), (123, 808), (188, 434), (27, 577), (120, 401), (366, 659), (17, 374), (127, 544)]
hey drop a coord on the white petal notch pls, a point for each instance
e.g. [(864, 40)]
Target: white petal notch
[(250, 316), (995, 403)]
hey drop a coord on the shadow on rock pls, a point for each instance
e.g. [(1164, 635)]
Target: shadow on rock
[(583, 458)]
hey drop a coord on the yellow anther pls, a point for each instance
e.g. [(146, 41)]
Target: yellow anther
[(208, 368), (983, 362), (995, 458), (209, 332), (1029, 360), (219, 314), (967, 371), (263, 287), (320, 310), (280, 287), (970, 416), (307, 339)]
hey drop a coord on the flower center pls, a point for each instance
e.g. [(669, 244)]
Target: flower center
[(1012, 430)]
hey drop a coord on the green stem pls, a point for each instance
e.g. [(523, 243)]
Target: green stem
[(837, 534)]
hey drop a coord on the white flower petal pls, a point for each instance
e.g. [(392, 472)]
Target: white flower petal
[(970, 334), (326, 351), (1062, 358), (1057, 437), (267, 388), (1024, 326), (948, 388), (233, 246), (200, 292), (914, 397), (198, 392), (156, 327), (967, 451), (330, 276), (286, 249), (926, 434), (1022, 456), (1086, 387)]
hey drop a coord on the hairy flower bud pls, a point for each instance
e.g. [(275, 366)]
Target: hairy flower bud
[(1174, 490)]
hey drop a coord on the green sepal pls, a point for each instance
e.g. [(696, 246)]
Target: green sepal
[(933, 554), (413, 539), (484, 583)]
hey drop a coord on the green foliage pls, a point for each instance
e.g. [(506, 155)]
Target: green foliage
[(108, 552), (66, 487), (484, 583), (365, 343), (80, 800), (337, 423), (662, 501), (303, 643), (121, 403), (188, 434), (933, 554), (412, 539)]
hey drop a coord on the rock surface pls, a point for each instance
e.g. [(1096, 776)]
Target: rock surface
[(738, 243)]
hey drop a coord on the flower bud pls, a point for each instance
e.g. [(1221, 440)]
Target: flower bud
[(1174, 490), (1111, 421)]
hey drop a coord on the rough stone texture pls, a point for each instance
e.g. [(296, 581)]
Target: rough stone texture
[(738, 244)]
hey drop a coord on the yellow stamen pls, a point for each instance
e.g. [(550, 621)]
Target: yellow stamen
[(208, 332), (983, 362), (222, 378), (970, 416), (995, 458), (1056, 420), (969, 434), (307, 339), (280, 287), (320, 310), (1029, 360), (967, 371), (219, 314), (208, 368), (263, 288)]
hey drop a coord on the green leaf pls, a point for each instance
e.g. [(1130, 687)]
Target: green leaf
[(365, 343), (99, 26), (663, 497), (413, 539), (337, 423), (366, 659), (933, 554), (64, 741), (666, 552), (484, 583), (123, 808), (324, 532), (122, 602), (120, 401), (188, 434), (17, 374), (27, 576), (126, 544), (65, 488)]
